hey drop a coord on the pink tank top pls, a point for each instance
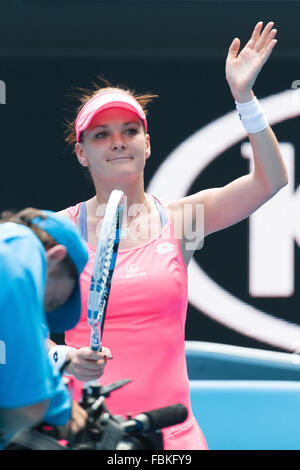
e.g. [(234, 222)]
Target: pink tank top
[(145, 331)]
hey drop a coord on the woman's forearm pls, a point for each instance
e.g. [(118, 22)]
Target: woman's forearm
[(269, 167)]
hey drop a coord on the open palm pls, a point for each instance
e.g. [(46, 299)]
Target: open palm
[(243, 68)]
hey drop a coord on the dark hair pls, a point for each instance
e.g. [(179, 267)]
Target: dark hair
[(25, 217)]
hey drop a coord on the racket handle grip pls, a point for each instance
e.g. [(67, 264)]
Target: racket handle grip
[(96, 348), (95, 342)]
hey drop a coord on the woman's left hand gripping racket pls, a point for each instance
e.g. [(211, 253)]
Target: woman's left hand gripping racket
[(105, 261)]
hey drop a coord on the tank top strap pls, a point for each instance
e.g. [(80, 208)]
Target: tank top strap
[(82, 221), (164, 219), (73, 211)]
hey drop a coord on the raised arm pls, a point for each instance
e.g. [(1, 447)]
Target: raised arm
[(237, 200)]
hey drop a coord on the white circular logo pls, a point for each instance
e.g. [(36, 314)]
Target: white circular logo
[(173, 180)]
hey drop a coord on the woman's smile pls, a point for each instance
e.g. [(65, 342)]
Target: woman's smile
[(120, 159)]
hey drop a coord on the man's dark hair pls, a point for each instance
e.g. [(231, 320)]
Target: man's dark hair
[(25, 217)]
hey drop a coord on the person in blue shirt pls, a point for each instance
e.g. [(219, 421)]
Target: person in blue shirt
[(41, 258)]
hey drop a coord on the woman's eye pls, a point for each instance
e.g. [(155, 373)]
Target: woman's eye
[(101, 135), (131, 131)]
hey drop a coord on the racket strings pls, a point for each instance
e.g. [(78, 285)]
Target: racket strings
[(98, 283), (106, 268), (105, 260)]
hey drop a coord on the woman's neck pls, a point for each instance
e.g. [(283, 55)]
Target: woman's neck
[(134, 194)]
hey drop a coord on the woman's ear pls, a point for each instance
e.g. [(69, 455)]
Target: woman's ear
[(80, 153), (148, 146)]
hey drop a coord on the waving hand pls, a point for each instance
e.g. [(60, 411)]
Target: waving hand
[(242, 68)]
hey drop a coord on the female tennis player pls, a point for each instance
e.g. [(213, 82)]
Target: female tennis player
[(145, 319)]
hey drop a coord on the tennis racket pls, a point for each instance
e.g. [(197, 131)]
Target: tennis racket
[(105, 261)]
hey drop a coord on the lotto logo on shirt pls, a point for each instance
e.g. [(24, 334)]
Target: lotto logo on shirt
[(165, 248), (133, 270)]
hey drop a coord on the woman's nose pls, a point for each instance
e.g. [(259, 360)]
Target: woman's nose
[(118, 142)]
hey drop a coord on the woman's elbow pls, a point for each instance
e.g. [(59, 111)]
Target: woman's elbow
[(282, 182), (275, 182)]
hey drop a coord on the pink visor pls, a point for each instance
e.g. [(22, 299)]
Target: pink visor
[(105, 100)]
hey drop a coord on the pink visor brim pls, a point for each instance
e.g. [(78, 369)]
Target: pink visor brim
[(104, 101)]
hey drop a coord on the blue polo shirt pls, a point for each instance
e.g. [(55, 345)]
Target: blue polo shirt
[(26, 375)]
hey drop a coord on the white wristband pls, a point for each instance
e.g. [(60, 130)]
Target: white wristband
[(57, 355), (252, 116)]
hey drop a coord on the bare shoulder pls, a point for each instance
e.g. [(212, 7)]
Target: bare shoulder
[(174, 212), (179, 207), (64, 212), (200, 197)]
